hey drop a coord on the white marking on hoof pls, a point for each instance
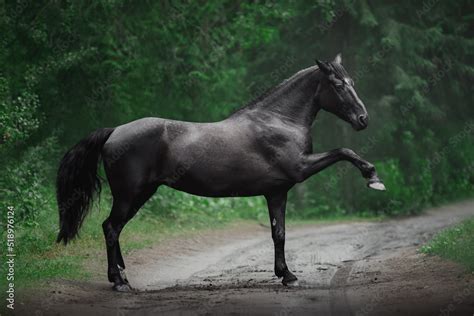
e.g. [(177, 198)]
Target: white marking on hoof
[(377, 186), (294, 283), (122, 288), (122, 274)]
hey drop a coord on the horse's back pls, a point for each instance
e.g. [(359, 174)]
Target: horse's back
[(156, 149)]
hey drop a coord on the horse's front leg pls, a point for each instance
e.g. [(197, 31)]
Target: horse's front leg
[(276, 208), (311, 164)]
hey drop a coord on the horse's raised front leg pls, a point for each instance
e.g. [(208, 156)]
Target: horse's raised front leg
[(276, 208), (311, 164)]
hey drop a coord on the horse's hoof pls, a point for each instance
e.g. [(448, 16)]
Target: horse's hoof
[(290, 280), (293, 283), (124, 287), (376, 186)]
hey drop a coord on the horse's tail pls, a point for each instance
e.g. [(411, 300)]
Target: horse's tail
[(77, 182)]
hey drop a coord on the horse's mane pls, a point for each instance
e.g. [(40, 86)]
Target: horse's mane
[(271, 90)]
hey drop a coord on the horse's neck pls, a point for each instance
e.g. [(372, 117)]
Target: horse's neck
[(294, 98)]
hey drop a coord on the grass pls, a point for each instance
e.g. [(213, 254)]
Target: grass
[(455, 243)]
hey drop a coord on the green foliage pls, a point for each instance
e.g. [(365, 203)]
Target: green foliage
[(456, 243), (17, 116), (26, 181)]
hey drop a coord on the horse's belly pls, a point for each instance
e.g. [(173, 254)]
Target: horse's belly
[(218, 178), (197, 187)]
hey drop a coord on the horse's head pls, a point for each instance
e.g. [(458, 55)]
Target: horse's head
[(336, 94)]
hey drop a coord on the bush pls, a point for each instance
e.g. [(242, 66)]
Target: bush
[(27, 182)]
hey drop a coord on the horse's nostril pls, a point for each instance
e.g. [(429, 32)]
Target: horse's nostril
[(363, 119)]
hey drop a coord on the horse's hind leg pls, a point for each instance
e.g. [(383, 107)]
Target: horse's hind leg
[(112, 227), (138, 202), (123, 210)]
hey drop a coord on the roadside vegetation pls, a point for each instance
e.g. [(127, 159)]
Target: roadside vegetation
[(455, 243)]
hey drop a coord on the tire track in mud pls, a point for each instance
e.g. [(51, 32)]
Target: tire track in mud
[(337, 292)]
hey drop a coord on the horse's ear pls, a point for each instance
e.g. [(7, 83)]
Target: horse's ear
[(324, 67), (338, 59)]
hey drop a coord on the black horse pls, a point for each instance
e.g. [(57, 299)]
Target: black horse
[(264, 148)]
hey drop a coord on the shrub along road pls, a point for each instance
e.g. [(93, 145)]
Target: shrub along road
[(356, 268)]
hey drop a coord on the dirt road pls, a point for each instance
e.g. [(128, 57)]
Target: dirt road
[(362, 268)]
